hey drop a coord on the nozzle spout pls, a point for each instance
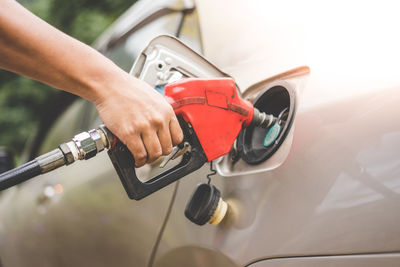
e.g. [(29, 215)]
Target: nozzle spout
[(263, 120)]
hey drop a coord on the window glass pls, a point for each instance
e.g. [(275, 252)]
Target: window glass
[(125, 53), (65, 127), (190, 32)]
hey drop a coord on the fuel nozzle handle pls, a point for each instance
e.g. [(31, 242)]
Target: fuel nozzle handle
[(263, 120)]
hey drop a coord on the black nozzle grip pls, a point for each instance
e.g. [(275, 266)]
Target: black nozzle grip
[(124, 164)]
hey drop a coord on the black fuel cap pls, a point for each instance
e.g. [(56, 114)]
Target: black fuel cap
[(202, 204)]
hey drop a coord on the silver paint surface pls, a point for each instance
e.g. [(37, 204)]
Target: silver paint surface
[(337, 192)]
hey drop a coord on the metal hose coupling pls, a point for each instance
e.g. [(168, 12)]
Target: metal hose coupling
[(86, 145), (263, 120)]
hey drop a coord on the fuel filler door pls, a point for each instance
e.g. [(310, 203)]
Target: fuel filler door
[(166, 59)]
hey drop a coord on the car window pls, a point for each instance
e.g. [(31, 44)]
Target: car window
[(125, 53), (190, 32), (65, 127)]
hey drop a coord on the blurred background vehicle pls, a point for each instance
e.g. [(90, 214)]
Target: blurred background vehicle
[(329, 195)]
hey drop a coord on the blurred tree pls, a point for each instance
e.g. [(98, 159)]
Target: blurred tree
[(24, 102)]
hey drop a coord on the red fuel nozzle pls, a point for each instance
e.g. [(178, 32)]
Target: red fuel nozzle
[(215, 111)]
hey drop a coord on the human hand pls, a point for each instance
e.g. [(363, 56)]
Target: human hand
[(141, 118)]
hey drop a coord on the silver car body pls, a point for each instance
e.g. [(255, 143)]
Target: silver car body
[(332, 200)]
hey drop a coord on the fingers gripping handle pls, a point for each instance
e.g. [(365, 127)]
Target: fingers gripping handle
[(124, 164)]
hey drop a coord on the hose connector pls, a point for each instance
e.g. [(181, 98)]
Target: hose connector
[(87, 144)]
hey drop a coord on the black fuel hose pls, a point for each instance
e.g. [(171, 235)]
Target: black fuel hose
[(20, 174), (39, 165)]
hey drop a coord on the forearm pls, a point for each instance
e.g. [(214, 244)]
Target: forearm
[(31, 47), (131, 109)]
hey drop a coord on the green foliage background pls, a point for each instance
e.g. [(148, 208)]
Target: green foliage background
[(23, 101)]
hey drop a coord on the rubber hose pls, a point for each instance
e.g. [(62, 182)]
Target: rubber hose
[(19, 174)]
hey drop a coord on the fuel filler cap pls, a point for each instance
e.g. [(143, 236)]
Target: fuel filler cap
[(206, 205)]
